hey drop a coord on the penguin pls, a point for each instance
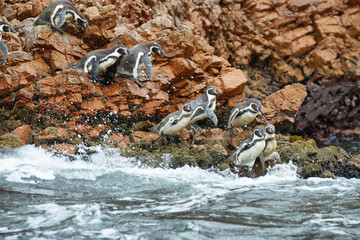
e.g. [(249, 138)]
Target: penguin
[(270, 140), (250, 149), (100, 60), (204, 107), (141, 54), (56, 13), (173, 122), (244, 113), (4, 27)]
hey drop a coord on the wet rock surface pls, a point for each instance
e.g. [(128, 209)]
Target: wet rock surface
[(300, 58)]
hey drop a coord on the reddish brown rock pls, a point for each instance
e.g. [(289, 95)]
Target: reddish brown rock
[(23, 132), (281, 107), (144, 137), (93, 104), (233, 83), (51, 134), (64, 148)]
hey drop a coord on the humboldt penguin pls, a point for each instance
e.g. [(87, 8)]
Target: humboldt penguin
[(270, 140), (141, 54), (100, 60), (56, 13), (203, 107), (244, 113), (4, 27), (250, 149), (173, 122)]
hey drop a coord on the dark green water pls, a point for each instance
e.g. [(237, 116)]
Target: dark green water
[(110, 197)]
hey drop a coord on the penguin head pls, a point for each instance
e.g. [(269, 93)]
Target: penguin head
[(186, 107), (122, 50), (270, 129), (212, 90), (259, 132), (83, 22), (157, 49), (256, 105), (5, 27)]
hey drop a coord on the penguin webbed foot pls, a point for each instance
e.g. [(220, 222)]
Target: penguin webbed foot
[(138, 83), (60, 31), (196, 128), (250, 174), (232, 133)]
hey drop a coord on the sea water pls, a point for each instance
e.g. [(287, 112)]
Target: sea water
[(46, 196)]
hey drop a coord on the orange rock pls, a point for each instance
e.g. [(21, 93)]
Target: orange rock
[(323, 57), (118, 137), (29, 70), (93, 104), (183, 68), (23, 132), (327, 26), (92, 14), (161, 95), (96, 131), (64, 148), (144, 137), (233, 83), (52, 134), (137, 91), (151, 107), (281, 107)]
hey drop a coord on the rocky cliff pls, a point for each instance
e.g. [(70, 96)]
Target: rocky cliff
[(299, 57)]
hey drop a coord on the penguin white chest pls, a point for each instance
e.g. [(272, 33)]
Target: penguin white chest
[(270, 146), (244, 119), (248, 156), (177, 127), (107, 63)]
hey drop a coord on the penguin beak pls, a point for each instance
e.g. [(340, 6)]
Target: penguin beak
[(87, 26), (161, 52), (218, 92), (12, 30)]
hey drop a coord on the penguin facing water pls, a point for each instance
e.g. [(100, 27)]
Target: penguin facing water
[(56, 13), (173, 122), (141, 54), (270, 140), (250, 149), (4, 27), (244, 113), (204, 106), (100, 60)]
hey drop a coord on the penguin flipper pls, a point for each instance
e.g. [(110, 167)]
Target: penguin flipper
[(232, 132), (233, 116), (146, 61), (262, 161), (138, 83), (95, 70), (210, 114), (61, 15), (4, 50)]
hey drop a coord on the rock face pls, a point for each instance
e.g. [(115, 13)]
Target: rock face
[(287, 51)]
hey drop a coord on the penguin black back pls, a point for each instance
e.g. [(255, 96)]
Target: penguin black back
[(141, 54), (55, 14)]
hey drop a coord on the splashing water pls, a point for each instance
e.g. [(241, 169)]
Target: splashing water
[(111, 197)]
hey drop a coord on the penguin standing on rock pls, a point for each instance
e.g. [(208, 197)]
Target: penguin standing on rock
[(56, 13), (100, 60), (250, 149), (173, 122), (204, 107), (270, 140), (244, 113), (4, 27), (141, 54)]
